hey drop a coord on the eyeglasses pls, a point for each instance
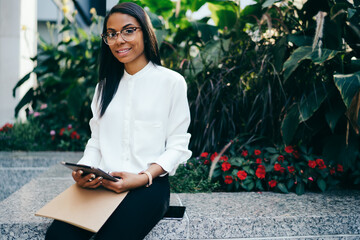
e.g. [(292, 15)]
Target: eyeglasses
[(128, 34)]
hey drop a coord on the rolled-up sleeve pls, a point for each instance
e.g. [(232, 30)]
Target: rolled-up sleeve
[(177, 138), (92, 153)]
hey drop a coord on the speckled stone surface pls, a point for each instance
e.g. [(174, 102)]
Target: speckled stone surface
[(312, 216), (18, 168), (17, 219), (251, 215), (36, 159)]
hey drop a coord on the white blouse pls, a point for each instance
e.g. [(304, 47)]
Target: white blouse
[(146, 122)]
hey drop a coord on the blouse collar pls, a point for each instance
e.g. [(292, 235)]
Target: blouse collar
[(139, 73)]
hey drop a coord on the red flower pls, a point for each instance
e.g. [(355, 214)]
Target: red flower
[(320, 163), (279, 168), (296, 154), (312, 164), (225, 166), (228, 180), (224, 158), (206, 162), (204, 154), (241, 175), (257, 152), (260, 172), (244, 153), (272, 183), (289, 149), (258, 161), (74, 135), (291, 169), (6, 127), (281, 158), (62, 131), (213, 156), (332, 171), (340, 168)]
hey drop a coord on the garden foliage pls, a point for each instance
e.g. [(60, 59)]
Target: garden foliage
[(66, 73), (275, 73)]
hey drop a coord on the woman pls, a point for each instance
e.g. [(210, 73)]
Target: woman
[(138, 130)]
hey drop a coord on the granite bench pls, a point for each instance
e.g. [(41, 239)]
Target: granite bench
[(330, 215)]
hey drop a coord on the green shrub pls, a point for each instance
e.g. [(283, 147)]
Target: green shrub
[(22, 136), (192, 177)]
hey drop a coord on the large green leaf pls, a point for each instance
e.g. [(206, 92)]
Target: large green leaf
[(300, 40), (305, 52), (196, 4), (348, 85), (250, 13), (25, 100), (209, 56), (294, 60), (290, 124), (160, 7), (334, 113), (223, 13), (311, 103), (155, 20), (20, 82), (205, 31)]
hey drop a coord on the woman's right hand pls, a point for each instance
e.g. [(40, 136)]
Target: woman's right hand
[(88, 181)]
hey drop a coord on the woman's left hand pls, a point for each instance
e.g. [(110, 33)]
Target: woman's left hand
[(126, 182)]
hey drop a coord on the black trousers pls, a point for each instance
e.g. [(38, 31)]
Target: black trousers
[(133, 219)]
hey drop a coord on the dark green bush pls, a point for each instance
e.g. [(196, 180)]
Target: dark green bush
[(192, 177)]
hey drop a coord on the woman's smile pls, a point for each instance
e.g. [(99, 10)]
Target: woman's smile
[(130, 52), (123, 52)]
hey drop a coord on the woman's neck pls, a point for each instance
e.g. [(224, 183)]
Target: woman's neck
[(132, 68)]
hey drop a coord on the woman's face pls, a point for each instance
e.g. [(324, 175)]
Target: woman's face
[(131, 53)]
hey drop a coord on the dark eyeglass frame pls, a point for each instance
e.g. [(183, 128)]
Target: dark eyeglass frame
[(104, 36)]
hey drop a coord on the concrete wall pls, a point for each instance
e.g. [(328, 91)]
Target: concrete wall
[(17, 43), (9, 56), (28, 44)]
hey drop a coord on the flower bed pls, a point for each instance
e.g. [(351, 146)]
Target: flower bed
[(284, 169)]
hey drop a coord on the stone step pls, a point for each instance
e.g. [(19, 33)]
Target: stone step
[(243, 215), (18, 168), (17, 219), (36, 159)]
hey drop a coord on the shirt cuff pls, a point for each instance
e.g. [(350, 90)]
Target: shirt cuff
[(171, 159)]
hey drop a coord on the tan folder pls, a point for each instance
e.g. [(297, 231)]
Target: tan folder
[(85, 208)]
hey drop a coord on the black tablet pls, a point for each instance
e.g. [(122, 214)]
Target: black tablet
[(88, 169), (175, 212)]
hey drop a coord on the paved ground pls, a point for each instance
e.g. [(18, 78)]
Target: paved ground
[(30, 180)]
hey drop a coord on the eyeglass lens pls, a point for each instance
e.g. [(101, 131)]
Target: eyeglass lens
[(127, 34)]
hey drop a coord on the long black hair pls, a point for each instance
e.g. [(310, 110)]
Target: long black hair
[(111, 70)]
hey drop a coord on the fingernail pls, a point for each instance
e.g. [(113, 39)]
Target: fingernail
[(93, 176), (81, 172), (100, 178)]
